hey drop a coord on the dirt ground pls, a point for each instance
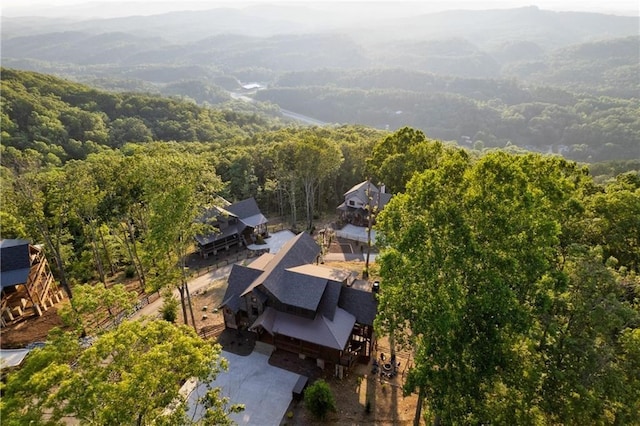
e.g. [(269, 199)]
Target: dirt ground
[(32, 329)]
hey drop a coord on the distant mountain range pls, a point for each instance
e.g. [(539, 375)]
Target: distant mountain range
[(454, 74), (484, 28), (289, 38)]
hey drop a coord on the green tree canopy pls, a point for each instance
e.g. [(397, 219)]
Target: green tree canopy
[(484, 274), (129, 376)]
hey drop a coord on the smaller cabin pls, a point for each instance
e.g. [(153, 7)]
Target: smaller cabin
[(360, 200), (28, 286), (233, 226)]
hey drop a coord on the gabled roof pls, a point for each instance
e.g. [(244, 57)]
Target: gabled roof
[(217, 235), (359, 186), (322, 272), (362, 304), (262, 261), (294, 289), (239, 278), (246, 211), (360, 191), (245, 208), (329, 300)]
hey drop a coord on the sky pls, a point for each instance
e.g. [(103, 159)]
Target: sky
[(112, 8)]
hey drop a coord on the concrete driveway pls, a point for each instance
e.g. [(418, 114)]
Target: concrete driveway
[(264, 390)]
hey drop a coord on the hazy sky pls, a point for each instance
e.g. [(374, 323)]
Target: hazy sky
[(108, 8)]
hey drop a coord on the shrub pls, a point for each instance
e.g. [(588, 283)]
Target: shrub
[(319, 400), (129, 271), (169, 309)]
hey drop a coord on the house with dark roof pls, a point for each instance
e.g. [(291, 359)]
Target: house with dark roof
[(295, 304), (235, 225), (360, 200), (27, 284)]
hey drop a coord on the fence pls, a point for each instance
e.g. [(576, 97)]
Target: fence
[(359, 236), (198, 271), (121, 316)]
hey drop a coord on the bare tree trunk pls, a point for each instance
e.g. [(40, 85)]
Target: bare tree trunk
[(60, 264), (193, 319), (96, 255), (279, 194), (418, 416), (181, 289), (292, 201), (106, 252), (183, 267), (308, 192), (134, 250), (125, 241)]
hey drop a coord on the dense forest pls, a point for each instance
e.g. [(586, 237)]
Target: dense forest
[(52, 125), (521, 266), (509, 254), (478, 113), (498, 273)]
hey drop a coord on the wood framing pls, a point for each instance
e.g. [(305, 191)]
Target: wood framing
[(28, 286)]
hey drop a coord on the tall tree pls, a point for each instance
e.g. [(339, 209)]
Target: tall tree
[(116, 380), (43, 206), (316, 158), (398, 156), (177, 188), (480, 269)]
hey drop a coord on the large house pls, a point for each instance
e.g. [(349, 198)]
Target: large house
[(235, 225), (27, 283), (294, 304), (360, 200)]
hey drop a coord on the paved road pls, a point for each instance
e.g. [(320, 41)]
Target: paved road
[(303, 118), (286, 113)]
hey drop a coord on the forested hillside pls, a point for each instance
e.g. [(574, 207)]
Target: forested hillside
[(62, 140), (480, 113), (561, 82), (59, 120)]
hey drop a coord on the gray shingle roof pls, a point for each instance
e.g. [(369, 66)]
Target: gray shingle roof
[(299, 290), (14, 254), (320, 330), (244, 208), (15, 262), (239, 279), (362, 304), (329, 300), (362, 189), (247, 212)]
